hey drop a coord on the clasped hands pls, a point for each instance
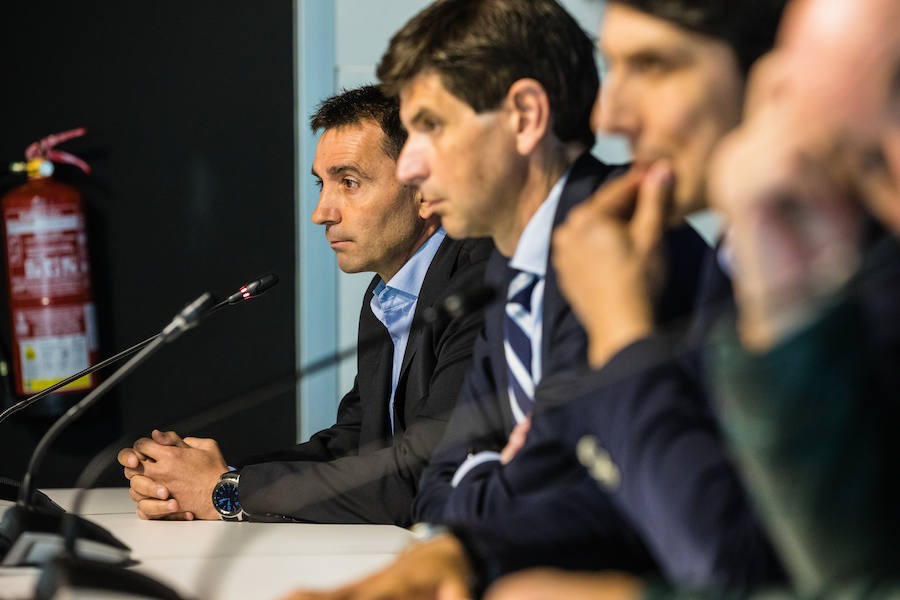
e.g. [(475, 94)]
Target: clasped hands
[(173, 478)]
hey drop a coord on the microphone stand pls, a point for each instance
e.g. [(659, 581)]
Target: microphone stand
[(25, 517)]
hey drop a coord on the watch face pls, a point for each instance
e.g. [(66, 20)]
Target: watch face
[(225, 498)]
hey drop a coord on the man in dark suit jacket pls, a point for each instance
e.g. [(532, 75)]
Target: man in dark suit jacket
[(580, 528), (365, 468), (498, 137)]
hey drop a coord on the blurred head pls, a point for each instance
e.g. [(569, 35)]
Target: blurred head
[(484, 85), (373, 222), (838, 65), (675, 80)]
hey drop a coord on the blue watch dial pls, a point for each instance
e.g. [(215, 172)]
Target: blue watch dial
[(225, 498)]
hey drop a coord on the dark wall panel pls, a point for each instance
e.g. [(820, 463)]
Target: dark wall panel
[(189, 109)]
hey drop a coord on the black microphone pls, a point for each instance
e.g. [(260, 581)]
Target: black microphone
[(246, 292), (463, 303), (253, 289), (25, 517)]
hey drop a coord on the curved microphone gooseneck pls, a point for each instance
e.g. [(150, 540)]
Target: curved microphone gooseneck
[(246, 292)]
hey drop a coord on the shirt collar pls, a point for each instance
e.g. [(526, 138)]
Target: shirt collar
[(411, 275), (534, 245)]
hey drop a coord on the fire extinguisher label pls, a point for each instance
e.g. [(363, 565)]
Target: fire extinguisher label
[(49, 360), (53, 345), (47, 254)]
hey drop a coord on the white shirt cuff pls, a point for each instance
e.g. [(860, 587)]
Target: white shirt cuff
[(471, 462)]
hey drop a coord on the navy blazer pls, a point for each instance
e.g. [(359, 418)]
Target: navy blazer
[(358, 471), (645, 429)]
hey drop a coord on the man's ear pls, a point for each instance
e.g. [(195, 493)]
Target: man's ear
[(529, 108)]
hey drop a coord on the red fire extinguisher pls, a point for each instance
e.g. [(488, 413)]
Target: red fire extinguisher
[(54, 327)]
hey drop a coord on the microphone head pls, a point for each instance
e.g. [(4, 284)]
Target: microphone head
[(460, 304), (264, 283), (253, 289)]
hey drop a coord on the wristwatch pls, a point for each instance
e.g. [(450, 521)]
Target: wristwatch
[(225, 497)]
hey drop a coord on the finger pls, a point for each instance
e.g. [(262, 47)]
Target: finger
[(179, 516), (129, 473), (147, 487), (565, 237), (514, 444), (654, 200), (208, 444), (167, 438), (157, 509), (617, 197), (766, 81), (519, 432), (580, 216), (154, 451), (453, 590), (532, 583), (128, 458), (136, 496)]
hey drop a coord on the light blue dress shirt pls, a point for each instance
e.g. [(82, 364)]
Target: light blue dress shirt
[(394, 304)]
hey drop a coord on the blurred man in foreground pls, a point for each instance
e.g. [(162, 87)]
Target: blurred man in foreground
[(811, 391)]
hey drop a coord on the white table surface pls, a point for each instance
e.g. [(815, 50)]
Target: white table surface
[(217, 560)]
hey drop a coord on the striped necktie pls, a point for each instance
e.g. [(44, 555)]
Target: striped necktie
[(518, 326)]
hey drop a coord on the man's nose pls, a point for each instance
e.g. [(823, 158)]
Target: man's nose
[(412, 167), (614, 113), (326, 211)]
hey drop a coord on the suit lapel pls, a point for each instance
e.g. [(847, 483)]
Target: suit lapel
[(435, 279), (587, 173), (376, 361)]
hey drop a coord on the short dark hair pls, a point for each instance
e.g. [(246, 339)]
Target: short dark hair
[(351, 107), (748, 26), (479, 48)]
